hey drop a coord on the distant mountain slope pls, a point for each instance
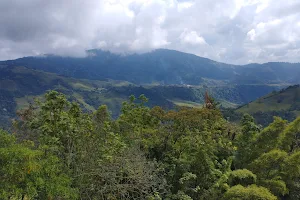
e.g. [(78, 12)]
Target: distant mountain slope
[(284, 103), (161, 66), (20, 85), (286, 99)]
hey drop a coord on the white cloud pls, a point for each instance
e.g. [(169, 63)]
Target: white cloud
[(262, 6), (251, 34), (184, 5), (233, 31), (191, 37)]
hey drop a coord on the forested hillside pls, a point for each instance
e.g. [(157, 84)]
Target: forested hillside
[(169, 78), (19, 86), (161, 66), (284, 103), (57, 151)]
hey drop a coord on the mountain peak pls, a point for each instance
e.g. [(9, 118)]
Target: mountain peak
[(163, 66)]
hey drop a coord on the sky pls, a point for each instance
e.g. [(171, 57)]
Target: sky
[(230, 31)]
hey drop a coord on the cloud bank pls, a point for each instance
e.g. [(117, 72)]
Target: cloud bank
[(231, 31)]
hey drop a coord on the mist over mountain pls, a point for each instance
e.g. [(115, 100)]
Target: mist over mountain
[(161, 66), (168, 78)]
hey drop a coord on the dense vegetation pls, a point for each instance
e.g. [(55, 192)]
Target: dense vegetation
[(57, 151)]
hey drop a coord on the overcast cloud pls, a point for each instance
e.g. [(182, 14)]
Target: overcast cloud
[(231, 31)]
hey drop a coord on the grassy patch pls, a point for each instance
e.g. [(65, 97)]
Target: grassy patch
[(275, 101), (179, 102), (81, 86)]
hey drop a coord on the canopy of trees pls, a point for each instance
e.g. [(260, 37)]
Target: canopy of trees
[(56, 151)]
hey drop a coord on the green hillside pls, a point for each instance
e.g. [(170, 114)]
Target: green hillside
[(284, 103), (19, 86)]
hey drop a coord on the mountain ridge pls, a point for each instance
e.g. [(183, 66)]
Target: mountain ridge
[(167, 77), (91, 51), (20, 85), (161, 66)]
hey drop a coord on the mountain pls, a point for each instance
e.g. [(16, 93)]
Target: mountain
[(284, 103), (161, 67), (168, 78), (20, 85)]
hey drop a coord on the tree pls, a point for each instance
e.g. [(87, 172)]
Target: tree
[(290, 137), (60, 152), (128, 175), (29, 173), (101, 163), (245, 141), (269, 170), (248, 193), (195, 149), (291, 175), (61, 126), (268, 138), (242, 177)]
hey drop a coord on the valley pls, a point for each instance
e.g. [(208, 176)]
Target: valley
[(20, 85), (168, 78)]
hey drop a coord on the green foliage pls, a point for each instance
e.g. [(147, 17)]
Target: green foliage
[(99, 161), (245, 141), (29, 173), (194, 150), (102, 115), (290, 138), (248, 193), (269, 165), (268, 138), (18, 166), (58, 151), (128, 175), (291, 175), (242, 177), (276, 186)]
